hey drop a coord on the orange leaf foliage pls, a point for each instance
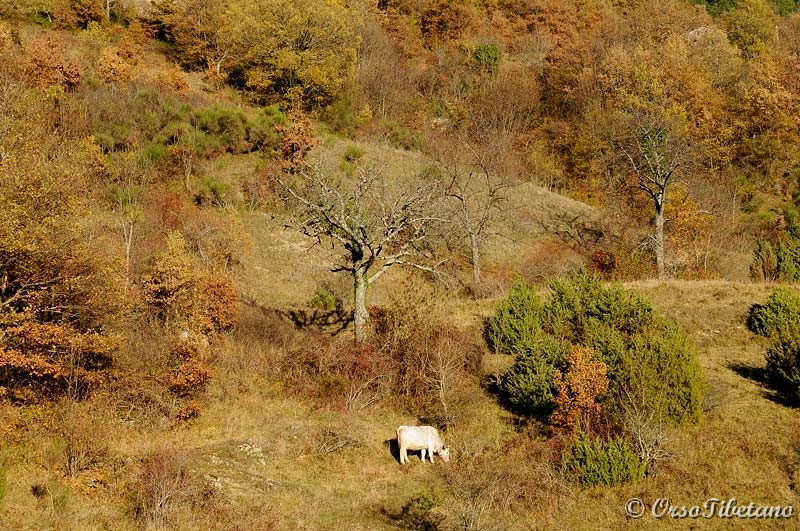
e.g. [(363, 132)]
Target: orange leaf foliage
[(577, 390)]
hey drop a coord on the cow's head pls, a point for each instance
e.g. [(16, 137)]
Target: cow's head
[(444, 453)]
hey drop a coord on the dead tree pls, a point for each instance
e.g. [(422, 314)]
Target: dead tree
[(476, 190), (376, 226), (656, 152)]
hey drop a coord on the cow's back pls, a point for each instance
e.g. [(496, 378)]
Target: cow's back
[(417, 437)]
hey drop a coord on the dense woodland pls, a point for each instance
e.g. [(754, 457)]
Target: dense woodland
[(328, 218)]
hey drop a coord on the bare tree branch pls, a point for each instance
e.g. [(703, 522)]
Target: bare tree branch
[(376, 226)]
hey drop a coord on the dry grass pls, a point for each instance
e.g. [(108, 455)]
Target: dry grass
[(256, 449)]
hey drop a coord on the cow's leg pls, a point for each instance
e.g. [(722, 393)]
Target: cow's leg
[(422, 455), (430, 453), (403, 456)]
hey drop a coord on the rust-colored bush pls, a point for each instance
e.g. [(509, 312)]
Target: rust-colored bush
[(190, 372), (578, 388), (434, 361), (182, 294), (342, 372), (48, 360), (297, 139), (113, 67), (48, 65), (188, 411), (216, 306), (163, 484)]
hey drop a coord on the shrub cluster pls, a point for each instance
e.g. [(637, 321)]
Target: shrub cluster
[(587, 357), (776, 261), (647, 358), (779, 258), (779, 319), (183, 295), (49, 360), (422, 363), (779, 313)]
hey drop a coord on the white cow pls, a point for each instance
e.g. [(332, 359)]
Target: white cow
[(421, 438)]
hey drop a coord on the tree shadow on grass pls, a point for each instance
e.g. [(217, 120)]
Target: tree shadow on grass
[(760, 376), (334, 320)]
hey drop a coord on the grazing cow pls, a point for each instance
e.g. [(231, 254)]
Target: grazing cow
[(421, 438)]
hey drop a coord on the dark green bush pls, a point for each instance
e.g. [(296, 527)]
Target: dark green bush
[(779, 261), (602, 463), (779, 319), (528, 386), (783, 363), (417, 514), (517, 321), (649, 360), (780, 311)]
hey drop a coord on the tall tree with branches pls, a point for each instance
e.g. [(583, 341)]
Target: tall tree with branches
[(657, 151), (476, 188), (379, 224)]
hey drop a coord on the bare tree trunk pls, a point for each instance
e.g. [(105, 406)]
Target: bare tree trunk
[(360, 313), (476, 263), (127, 234), (659, 241)]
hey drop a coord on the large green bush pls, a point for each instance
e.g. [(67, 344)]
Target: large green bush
[(649, 360), (603, 463), (779, 319), (528, 386), (783, 363), (779, 312), (517, 323)]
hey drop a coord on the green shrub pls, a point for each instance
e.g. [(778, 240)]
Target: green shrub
[(780, 311), (603, 463), (783, 363), (779, 318), (780, 261), (417, 514), (517, 322), (153, 153), (227, 125), (648, 359), (402, 137), (211, 192), (488, 57), (264, 130), (324, 300), (528, 386)]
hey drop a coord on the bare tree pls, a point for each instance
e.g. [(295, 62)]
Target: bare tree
[(477, 188), (377, 226), (130, 178), (657, 152)]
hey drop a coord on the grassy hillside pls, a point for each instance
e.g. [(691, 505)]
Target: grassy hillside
[(176, 355), (264, 456)]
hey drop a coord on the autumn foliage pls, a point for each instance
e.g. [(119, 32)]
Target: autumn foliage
[(578, 389)]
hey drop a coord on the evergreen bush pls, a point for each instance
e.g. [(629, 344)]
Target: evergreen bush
[(648, 359), (517, 322), (783, 363), (780, 311), (602, 463)]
